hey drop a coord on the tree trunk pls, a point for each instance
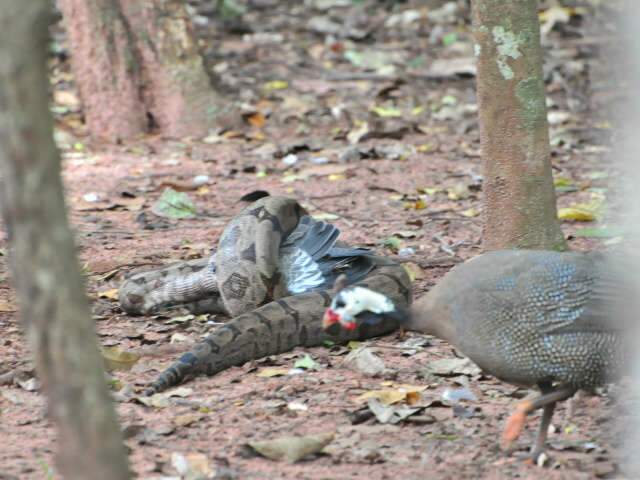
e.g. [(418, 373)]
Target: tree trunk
[(137, 66), (46, 275), (107, 72), (519, 197)]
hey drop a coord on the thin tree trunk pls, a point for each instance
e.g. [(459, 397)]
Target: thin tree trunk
[(519, 197), (178, 93), (137, 67), (106, 69), (53, 305)]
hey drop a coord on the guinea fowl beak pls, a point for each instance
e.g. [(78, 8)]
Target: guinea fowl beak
[(330, 319), (331, 323)]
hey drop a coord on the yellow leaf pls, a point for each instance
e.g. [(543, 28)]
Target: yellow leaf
[(562, 182), (272, 372), (257, 136), (429, 190), (66, 98), (470, 212), (337, 176), (116, 359), (417, 110), (326, 216), (424, 148), (232, 134), (413, 270), (459, 191), (387, 112), (359, 131), (111, 294), (577, 214), (276, 85), (419, 204), (354, 344)]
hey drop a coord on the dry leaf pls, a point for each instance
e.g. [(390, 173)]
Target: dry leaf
[(470, 213), (336, 176), (355, 135), (157, 400), (257, 120), (7, 307), (111, 294), (418, 204), (192, 466), (181, 392), (389, 396), (272, 372), (577, 214), (116, 359), (390, 414), (292, 449), (186, 419), (459, 191), (365, 361), (276, 85), (453, 366), (414, 271)]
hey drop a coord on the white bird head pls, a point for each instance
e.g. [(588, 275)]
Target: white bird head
[(354, 305)]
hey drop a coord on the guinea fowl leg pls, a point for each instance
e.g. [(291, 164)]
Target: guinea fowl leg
[(538, 447), (516, 421)]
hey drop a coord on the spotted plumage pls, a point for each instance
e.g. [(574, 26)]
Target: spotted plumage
[(539, 318)]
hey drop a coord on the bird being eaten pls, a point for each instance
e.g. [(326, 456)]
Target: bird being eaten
[(529, 318)]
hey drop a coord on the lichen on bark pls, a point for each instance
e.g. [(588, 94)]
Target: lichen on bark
[(520, 209)]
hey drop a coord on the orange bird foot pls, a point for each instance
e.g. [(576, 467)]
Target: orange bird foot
[(515, 424)]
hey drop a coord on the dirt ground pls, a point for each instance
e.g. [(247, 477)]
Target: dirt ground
[(371, 124)]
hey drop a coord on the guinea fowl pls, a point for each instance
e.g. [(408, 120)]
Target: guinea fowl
[(527, 317)]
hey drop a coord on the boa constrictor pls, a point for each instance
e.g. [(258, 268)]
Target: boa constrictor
[(273, 273)]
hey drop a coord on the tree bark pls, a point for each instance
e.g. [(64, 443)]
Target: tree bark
[(137, 67), (519, 196), (106, 69), (46, 275)]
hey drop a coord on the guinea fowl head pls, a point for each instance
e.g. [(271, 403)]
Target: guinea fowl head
[(354, 306)]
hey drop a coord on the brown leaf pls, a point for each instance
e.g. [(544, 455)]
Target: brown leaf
[(292, 449), (116, 359), (257, 120), (111, 294), (7, 306), (186, 419), (192, 465), (272, 372)]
